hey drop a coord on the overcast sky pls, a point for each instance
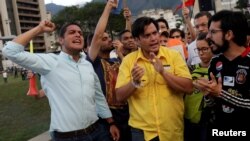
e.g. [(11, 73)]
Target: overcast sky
[(66, 2)]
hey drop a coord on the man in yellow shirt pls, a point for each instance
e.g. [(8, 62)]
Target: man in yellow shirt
[(153, 80)]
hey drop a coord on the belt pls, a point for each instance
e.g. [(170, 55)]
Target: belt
[(80, 132)]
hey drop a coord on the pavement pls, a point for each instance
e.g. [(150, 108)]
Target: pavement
[(42, 137)]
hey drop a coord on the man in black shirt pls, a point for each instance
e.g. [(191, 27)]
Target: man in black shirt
[(228, 90)]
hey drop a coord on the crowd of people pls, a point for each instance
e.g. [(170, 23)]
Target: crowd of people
[(164, 85)]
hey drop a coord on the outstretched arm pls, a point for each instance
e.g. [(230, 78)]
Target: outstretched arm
[(44, 26), (185, 13), (127, 16), (99, 30), (15, 50)]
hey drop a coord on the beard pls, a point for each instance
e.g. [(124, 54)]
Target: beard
[(107, 49), (220, 48)]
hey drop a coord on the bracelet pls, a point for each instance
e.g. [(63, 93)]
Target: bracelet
[(136, 85)]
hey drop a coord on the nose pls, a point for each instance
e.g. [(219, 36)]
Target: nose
[(201, 53), (78, 34), (208, 35)]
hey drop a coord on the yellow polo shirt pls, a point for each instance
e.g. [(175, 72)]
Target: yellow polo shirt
[(154, 107)]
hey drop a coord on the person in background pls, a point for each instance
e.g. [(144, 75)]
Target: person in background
[(194, 126), (128, 42), (164, 38), (176, 33), (153, 80), (176, 38), (162, 25), (227, 90), (5, 76), (69, 82), (107, 69), (201, 25)]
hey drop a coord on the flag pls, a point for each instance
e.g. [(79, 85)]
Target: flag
[(187, 3)]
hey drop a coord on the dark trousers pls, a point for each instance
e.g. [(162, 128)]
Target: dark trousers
[(100, 134), (138, 135)]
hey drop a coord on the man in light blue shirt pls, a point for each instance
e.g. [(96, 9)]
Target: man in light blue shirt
[(70, 83)]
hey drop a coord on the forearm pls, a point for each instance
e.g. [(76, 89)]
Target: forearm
[(190, 28), (24, 38), (178, 83), (110, 120), (99, 31), (237, 101), (124, 92), (128, 24)]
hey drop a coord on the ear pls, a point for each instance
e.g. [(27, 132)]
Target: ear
[(229, 35), (137, 40), (61, 40)]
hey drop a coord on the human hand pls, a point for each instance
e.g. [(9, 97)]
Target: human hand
[(118, 48), (46, 26), (185, 12), (113, 3), (137, 73), (114, 132), (127, 13), (156, 63), (211, 87)]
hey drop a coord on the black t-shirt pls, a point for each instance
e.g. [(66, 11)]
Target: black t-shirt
[(232, 110)]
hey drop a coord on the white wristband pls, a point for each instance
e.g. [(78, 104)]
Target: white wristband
[(136, 85)]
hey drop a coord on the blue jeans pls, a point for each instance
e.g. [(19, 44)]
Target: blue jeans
[(100, 134), (137, 134)]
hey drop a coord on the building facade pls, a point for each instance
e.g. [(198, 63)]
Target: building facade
[(19, 16)]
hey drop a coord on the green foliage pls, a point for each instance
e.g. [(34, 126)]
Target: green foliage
[(22, 117), (88, 17), (241, 4)]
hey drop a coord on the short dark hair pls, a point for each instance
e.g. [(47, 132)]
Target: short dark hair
[(234, 21), (122, 32), (203, 13), (164, 21), (202, 36), (172, 31), (165, 34), (64, 27), (139, 25)]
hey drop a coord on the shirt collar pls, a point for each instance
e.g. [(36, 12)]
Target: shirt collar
[(141, 56), (70, 58)]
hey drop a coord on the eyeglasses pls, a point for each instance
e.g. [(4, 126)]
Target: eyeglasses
[(202, 49), (177, 36), (213, 31)]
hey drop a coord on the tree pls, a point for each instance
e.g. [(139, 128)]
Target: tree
[(241, 4), (88, 16)]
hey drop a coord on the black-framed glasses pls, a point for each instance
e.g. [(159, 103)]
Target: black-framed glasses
[(214, 31), (202, 49)]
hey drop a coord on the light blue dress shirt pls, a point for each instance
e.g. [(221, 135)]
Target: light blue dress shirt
[(73, 89)]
